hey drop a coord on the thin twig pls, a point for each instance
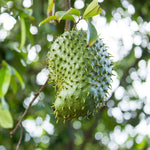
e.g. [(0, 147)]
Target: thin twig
[(67, 7), (76, 23), (25, 112), (21, 134)]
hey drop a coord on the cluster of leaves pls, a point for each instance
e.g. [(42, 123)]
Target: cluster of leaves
[(8, 75), (92, 10)]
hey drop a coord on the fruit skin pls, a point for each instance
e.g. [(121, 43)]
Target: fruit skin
[(81, 74)]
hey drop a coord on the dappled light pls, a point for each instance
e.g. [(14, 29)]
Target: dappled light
[(27, 3), (122, 122), (42, 76), (79, 4), (33, 30)]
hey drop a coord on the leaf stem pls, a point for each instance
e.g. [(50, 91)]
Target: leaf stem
[(21, 134)]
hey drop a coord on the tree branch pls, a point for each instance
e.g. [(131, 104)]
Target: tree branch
[(21, 134), (25, 112), (77, 23), (67, 7)]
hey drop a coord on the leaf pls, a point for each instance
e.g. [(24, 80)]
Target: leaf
[(59, 15), (5, 105), (23, 32), (63, 15), (91, 34), (47, 19), (93, 9), (5, 77), (28, 12), (18, 75), (73, 11), (14, 85), (51, 6), (29, 35), (7, 74), (69, 17), (6, 120)]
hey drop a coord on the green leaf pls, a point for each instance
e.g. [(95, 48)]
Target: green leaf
[(14, 72), (23, 32), (29, 35), (47, 19), (5, 77), (28, 12), (5, 105), (93, 9), (91, 34), (7, 74), (63, 15), (51, 5), (14, 85), (59, 15), (6, 120), (73, 11), (69, 17)]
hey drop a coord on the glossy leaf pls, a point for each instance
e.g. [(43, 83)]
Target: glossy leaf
[(47, 19), (6, 120), (5, 77), (73, 11), (69, 17), (63, 15), (93, 9), (91, 34), (59, 15), (23, 32)]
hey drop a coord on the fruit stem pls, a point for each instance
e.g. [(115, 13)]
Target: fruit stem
[(67, 7)]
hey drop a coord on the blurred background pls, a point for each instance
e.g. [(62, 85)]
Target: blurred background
[(124, 26)]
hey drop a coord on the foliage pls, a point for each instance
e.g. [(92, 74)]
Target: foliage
[(122, 124)]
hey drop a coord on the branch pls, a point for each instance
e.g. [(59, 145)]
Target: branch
[(25, 112), (77, 23), (67, 7), (21, 134)]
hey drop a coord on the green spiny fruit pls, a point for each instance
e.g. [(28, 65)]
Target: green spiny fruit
[(81, 74)]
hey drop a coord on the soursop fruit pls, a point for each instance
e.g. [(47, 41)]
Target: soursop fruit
[(81, 74)]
